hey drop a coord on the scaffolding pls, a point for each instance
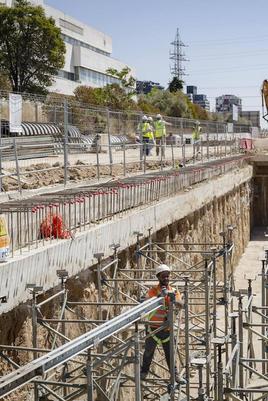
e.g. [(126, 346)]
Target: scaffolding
[(212, 339)]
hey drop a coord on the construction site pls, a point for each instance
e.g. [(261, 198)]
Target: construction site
[(83, 250)]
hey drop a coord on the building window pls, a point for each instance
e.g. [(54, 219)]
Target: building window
[(66, 75), (94, 77), (71, 27), (76, 42)]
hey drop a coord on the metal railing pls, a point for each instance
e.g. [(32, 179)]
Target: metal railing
[(30, 221), (68, 136), (72, 161)]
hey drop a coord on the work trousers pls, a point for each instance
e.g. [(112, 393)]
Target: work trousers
[(146, 146), (150, 345), (196, 147), (160, 143)]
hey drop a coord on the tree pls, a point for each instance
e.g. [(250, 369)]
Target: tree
[(31, 47), (169, 104), (4, 82), (111, 96), (127, 81), (175, 85)]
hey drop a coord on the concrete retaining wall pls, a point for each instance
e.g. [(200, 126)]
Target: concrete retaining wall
[(77, 255)]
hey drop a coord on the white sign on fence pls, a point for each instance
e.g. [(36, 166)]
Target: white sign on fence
[(15, 113), (235, 112)]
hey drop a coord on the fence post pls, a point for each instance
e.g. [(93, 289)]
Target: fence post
[(97, 155), (124, 159), (201, 147), (144, 161), (141, 150), (217, 148), (65, 117), (172, 155), (109, 143), (207, 144), (0, 145), (17, 164), (225, 143), (161, 150)]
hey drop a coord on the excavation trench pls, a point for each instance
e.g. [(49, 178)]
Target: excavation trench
[(199, 215)]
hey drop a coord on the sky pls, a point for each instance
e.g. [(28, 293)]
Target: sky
[(226, 41)]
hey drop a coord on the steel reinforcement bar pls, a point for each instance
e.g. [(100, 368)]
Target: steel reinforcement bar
[(86, 205)]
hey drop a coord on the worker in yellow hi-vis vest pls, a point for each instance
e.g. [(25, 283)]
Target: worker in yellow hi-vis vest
[(196, 137), (147, 135), (160, 135)]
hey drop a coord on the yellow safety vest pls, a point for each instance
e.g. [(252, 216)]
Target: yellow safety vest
[(160, 129), (196, 133), (146, 131)]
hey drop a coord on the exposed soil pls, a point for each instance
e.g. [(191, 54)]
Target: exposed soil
[(44, 174)]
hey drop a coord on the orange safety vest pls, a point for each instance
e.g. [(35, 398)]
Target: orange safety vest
[(159, 316)]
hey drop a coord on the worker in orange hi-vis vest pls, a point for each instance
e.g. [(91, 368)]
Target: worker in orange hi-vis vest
[(157, 318)]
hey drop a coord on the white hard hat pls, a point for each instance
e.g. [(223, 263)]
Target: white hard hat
[(161, 268), (144, 118), (158, 116), (150, 119)]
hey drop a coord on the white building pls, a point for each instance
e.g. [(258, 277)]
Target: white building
[(88, 53)]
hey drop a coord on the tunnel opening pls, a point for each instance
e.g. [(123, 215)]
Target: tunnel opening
[(259, 201)]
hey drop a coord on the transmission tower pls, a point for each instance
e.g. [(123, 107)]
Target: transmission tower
[(177, 57)]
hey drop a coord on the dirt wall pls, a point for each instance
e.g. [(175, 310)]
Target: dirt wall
[(203, 225)]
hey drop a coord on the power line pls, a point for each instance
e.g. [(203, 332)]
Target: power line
[(234, 69), (228, 87), (229, 40), (236, 54)]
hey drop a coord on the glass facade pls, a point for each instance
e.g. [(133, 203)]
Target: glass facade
[(66, 75), (76, 42), (97, 78)]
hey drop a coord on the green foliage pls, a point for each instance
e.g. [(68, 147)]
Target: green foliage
[(196, 111), (4, 82), (111, 96), (175, 85), (146, 107), (127, 80), (31, 47), (170, 104)]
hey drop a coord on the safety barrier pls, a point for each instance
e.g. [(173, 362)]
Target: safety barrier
[(53, 217)]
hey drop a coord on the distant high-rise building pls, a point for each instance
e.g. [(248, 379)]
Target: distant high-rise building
[(224, 103), (146, 86), (191, 90), (197, 98)]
